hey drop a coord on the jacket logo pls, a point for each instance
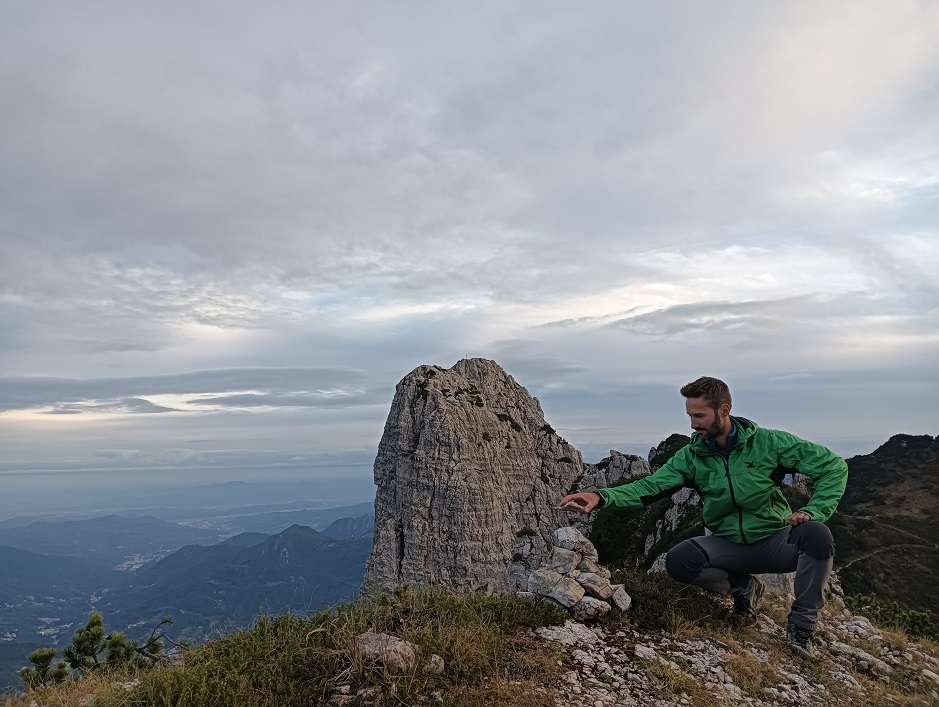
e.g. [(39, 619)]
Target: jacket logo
[(749, 465)]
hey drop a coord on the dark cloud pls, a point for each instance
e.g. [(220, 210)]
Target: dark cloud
[(752, 317), (123, 394), (289, 400), (587, 321), (123, 406)]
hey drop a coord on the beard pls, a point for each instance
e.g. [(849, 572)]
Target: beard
[(714, 430)]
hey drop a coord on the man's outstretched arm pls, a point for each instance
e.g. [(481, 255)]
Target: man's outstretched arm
[(669, 478)]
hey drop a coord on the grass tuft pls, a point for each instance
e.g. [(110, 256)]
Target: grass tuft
[(749, 672), (674, 685)]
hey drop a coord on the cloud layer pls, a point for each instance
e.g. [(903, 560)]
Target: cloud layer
[(221, 222)]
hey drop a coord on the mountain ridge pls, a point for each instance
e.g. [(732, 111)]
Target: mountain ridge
[(886, 527)]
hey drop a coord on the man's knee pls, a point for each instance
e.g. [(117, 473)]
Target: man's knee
[(814, 539), (685, 561)]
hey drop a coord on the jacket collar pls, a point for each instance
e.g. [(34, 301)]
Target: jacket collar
[(743, 430), (731, 442)]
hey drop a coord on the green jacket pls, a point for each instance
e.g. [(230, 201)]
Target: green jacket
[(741, 496)]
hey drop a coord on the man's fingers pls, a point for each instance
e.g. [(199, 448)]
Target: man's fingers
[(583, 501)]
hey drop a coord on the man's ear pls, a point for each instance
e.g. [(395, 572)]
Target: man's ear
[(725, 409)]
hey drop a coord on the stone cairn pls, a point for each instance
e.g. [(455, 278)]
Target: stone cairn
[(571, 576)]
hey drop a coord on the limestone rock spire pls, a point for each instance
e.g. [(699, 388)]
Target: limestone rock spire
[(469, 476)]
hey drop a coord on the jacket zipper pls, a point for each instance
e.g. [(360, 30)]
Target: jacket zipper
[(733, 498)]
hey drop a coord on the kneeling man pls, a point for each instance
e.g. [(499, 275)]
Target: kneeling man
[(738, 468)]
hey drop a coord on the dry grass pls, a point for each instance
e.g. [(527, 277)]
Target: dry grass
[(105, 689), (748, 672), (880, 693), (896, 637), (671, 684), (502, 693), (928, 645), (777, 608), (684, 628)]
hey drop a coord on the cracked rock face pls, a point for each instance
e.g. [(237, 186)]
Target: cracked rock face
[(469, 477)]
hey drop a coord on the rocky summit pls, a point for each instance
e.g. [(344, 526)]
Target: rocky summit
[(469, 475)]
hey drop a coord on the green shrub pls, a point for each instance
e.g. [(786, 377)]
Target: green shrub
[(891, 614), (508, 418), (41, 672), (94, 650)]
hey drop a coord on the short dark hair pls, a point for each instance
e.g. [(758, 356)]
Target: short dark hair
[(714, 391)]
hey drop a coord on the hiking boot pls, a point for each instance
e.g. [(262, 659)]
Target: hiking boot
[(747, 602), (799, 640)]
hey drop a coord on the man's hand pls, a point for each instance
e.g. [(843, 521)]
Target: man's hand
[(589, 501), (799, 517)]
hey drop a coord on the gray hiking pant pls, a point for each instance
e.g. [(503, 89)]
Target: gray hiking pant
[(722, 566)]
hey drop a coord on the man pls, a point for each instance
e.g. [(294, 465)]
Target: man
[(737, 468)]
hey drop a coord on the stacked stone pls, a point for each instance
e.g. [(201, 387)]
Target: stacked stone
[(571, 576)]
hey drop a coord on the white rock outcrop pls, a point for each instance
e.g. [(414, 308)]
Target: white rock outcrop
[(395, 654), (388, 651), (469, 477)]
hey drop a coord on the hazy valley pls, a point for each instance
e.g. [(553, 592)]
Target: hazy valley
[(211, 567)]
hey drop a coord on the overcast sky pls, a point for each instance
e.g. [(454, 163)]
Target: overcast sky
[(227, 230)]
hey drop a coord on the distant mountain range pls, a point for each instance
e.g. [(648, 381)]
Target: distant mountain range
[(138, 570), (227, 585), (107, 541)]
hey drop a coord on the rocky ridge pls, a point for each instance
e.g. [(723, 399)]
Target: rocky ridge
[(615, 662)]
